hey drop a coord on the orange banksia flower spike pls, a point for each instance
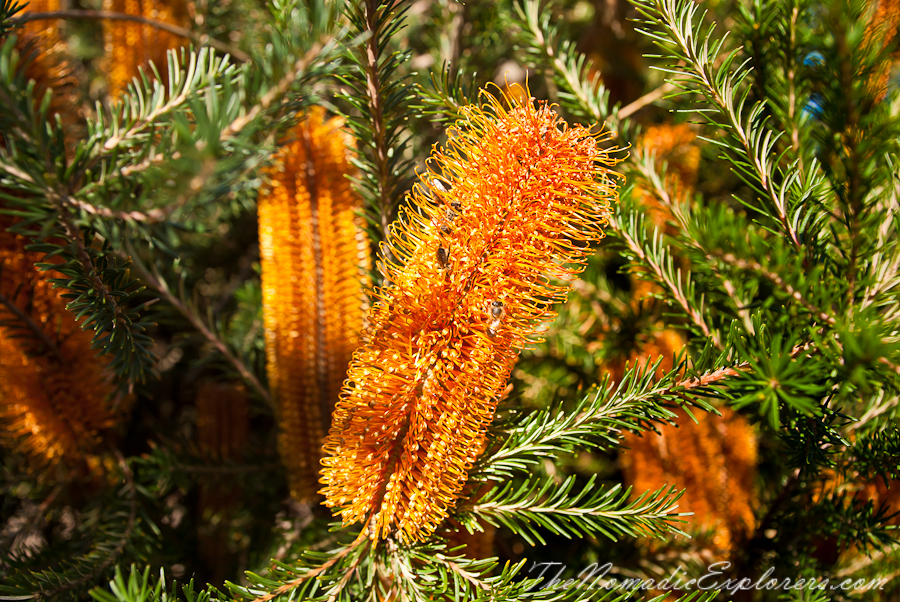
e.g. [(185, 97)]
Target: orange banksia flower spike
[(223, 429), (45, 31), (56, 396), (223, 423), (131, 46), (314, 261), (714, 459), (47, 62), (513, 200), (882, 31)]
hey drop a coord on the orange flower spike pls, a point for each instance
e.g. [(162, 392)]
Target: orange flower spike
[(515, 198), (54, 402), (313, 253), (130, 46)]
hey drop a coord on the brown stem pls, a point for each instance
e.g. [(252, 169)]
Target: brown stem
[(648, 98), (373, 88), (723, 373), (154, 216), (202, 39), (674, 286), (158, 284), (63, 201), (710, 88), (777, 281), (312, 574), (459, 24), (791, 77), (272, 95)]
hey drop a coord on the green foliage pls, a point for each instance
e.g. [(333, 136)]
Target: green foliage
[(379, 98), (534, 506), (582, 95), (8, 10)]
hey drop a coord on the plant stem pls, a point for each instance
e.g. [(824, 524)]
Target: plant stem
[(108, 15)]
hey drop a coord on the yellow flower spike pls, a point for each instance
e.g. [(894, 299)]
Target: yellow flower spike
[(512, 200), (131, 46), (55, 396), (314, 261)]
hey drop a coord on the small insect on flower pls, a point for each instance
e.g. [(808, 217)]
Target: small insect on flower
[(443, 258), (440, 186), (497, 314), (525, 194)]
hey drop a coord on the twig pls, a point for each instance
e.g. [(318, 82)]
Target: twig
[(702, 71), (373, 88), (777, 281), (723, 373), (157, 283), (456, 33), (351, 570), (279, 90), (154, 216), (312, 574), (573, 78), (202, 39), (116, 139), (467, 576), (648, 98), (709, 377), (62, 202), (674, 287), (16, 172)]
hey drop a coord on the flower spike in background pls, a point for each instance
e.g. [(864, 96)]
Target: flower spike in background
[(511, 202), (131, 46), (314, 260), (56, 396)]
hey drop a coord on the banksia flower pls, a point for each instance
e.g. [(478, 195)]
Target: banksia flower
[(222, 421), (222, 433), (314, 258), (676, 145), (130, 46), (513, 200), (55, 394), (47, 63), (649, 346), (881, 31), (714, 459), (48, 36)]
